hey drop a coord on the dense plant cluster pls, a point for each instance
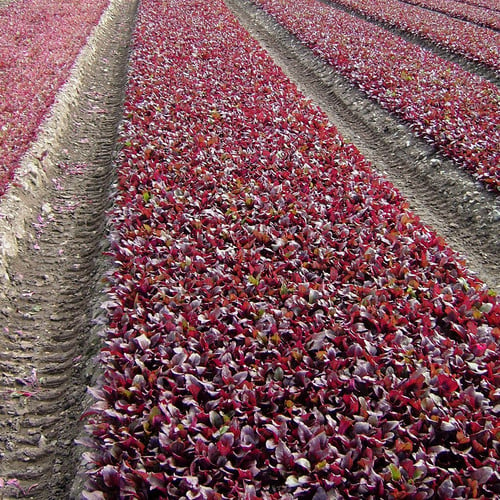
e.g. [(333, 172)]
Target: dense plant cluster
[(39, 41), (281, 326), (474, 42), (488, 4), (487, 15), (456, 110)]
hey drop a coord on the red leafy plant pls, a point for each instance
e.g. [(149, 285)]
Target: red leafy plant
[(280, 325), (481, 13)]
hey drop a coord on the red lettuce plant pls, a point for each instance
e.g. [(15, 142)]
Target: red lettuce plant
[(40, 39), (474, 42), (452, 108), (280, 325)]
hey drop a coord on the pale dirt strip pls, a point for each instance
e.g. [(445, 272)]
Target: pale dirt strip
[(52, 238)]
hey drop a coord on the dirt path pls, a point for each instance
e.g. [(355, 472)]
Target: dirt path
[(445, 197), (52, 270)]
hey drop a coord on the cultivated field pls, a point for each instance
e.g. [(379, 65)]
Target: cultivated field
[(264, 235)]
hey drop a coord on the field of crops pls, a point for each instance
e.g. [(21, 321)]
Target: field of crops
[(277, 322), (475, 42), (454, 109), (482, 13), (280, 324), (39, 41)]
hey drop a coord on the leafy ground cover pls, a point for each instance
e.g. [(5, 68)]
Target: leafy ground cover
[(477, 14), (474, 42), (452, 108), (39, 41), (281, 326), (488, 4)]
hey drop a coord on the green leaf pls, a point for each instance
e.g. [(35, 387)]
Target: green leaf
[(254, 280), (464, 283), (223, 429), (486, 307), (278, 374), (292, 482), (395, 472)]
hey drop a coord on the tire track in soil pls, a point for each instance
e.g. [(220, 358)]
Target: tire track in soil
[(442, 51), (443, 195), (48, 310)]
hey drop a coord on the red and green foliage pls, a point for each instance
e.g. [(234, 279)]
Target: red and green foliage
[(474, 42), (488, 4), (481, 13), (281, 326)]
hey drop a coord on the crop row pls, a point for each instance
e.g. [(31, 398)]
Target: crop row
[(488, 4), (39, 41), (280, 325), (462, 10), (454, 109), (474, 42)]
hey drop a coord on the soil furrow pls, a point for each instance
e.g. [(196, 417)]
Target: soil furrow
[(444, 196), (53, 277), (445, 53)]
